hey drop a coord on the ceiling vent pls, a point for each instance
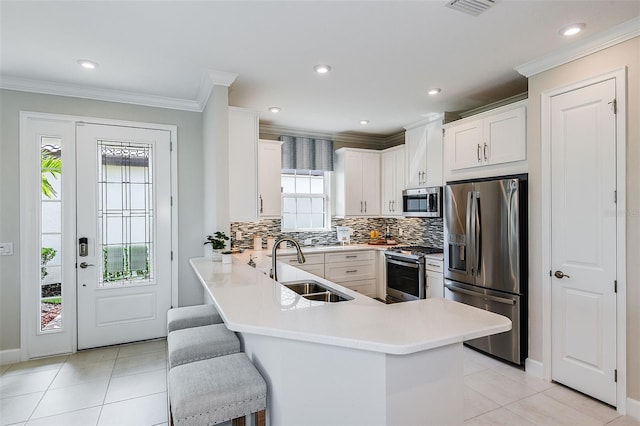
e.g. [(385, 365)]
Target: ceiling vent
[(471, 7)]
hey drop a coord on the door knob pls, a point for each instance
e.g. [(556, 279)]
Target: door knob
[(560, 274), (83, 265)]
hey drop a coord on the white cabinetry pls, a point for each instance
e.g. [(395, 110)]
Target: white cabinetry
[(314, 263), (357, 182), (243, 160), (269, 169), (393, 173), (435, 277), (491, 138), (424, 154), (355, 270)]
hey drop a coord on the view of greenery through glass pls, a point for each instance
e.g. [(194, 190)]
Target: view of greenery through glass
[(51, 235)]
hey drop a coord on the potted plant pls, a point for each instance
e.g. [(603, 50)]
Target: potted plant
[(218, 242), (226, 256)]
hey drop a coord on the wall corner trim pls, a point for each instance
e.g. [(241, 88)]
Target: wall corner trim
[(618, 34)]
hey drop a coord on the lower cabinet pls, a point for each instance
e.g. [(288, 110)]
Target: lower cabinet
[(435, 277), (355, 270)]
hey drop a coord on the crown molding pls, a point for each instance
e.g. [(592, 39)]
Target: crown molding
[(363, 139), (89, 92), (615, 35), (210, 79)]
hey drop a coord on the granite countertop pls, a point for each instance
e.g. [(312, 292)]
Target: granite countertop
[(251, 302)]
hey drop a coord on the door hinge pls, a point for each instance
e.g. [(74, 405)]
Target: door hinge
[(615, 375), (614, 106), (171, 200), (170, 146), (172, 255), (615, 196), (443, 131), (550, 273), (615, 286)]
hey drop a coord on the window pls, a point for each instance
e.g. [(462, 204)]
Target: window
[(305, 200)]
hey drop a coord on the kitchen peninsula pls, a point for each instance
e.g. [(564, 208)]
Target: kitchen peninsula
[(352, 362)]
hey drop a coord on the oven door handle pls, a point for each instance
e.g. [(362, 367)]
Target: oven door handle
[(502, 300), (407, 264)]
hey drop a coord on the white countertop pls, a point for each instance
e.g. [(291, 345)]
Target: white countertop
[(251, 302)]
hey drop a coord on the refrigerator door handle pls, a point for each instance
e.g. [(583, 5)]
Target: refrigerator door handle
[(470, 232), (502, 300), (477, 230)]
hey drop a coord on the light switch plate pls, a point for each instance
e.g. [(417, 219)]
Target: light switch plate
[(6, 249)]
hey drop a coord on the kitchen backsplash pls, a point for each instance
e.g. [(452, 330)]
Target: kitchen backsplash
[(415, 231)]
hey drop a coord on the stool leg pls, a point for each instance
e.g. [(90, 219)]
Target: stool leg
[(238, 422), (261, 418)]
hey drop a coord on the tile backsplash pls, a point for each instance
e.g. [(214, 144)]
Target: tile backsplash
[(415, 231)]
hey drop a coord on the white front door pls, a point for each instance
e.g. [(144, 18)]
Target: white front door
[(124, 213), (583, 181)]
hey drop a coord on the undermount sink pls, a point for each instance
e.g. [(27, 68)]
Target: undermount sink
[(313, 290)]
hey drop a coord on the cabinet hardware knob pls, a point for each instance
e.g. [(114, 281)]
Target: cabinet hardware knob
[(484, 151), (478, 152)]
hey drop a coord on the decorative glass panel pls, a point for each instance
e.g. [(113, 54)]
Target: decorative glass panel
[(125, 213), (50, 300)]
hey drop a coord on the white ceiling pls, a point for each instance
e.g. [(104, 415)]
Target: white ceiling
[(384, 54)]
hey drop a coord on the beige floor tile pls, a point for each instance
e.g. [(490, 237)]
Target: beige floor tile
[(92, 356), (71, 398), (4, 368), (624, 421), (142, 348), (76, 373), (86, 417), (140, 363), (499, 417), (18, 408), (523, 377), (498, 387), (136, 385), (148, 410), (471, 366), (36, 365), (21, 384), (583, 403), (476, 404), (543, 410)]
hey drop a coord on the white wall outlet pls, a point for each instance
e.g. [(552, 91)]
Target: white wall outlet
[(238, 235), (400, 232), (308, 241), (6, 249)]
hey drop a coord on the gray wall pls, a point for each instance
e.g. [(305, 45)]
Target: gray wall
[(190, 189)]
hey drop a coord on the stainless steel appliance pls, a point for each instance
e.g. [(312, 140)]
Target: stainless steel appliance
[(406, 277), (486, 258), (422, 202)]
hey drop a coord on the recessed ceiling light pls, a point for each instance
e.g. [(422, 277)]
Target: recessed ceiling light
[(275, 109), (322, 68), (363, 122), (85, 63), (572, 29), (434, 91)]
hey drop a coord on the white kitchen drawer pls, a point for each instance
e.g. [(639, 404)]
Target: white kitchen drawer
[(317, 269), (366, 287), (350, 256), (350, 271), (310, 259), (434, 265)]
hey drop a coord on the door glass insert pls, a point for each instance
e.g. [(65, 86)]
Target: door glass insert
[(125, 213), (51, 303)]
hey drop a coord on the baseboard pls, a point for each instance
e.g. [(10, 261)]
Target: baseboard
[(10, 356), (633, 408), (533, 367)]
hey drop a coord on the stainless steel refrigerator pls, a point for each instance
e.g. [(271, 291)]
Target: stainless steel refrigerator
[(486, 258)]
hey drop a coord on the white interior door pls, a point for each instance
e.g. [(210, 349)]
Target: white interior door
[(124, 212), (583, 167)]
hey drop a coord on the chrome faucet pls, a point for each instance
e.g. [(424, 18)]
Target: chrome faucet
[(273, 274)]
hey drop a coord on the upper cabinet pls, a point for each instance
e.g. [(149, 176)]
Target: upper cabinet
[(491, 138), (269, 183), (243, 164), (357, 182), (423, 142), (393, 175)]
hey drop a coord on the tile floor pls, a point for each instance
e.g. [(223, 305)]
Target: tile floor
[(126, 385)]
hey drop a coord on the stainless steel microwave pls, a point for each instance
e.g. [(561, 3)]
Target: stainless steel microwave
[(422, 202)]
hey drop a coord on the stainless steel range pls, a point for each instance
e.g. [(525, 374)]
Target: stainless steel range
[(406, 277)]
